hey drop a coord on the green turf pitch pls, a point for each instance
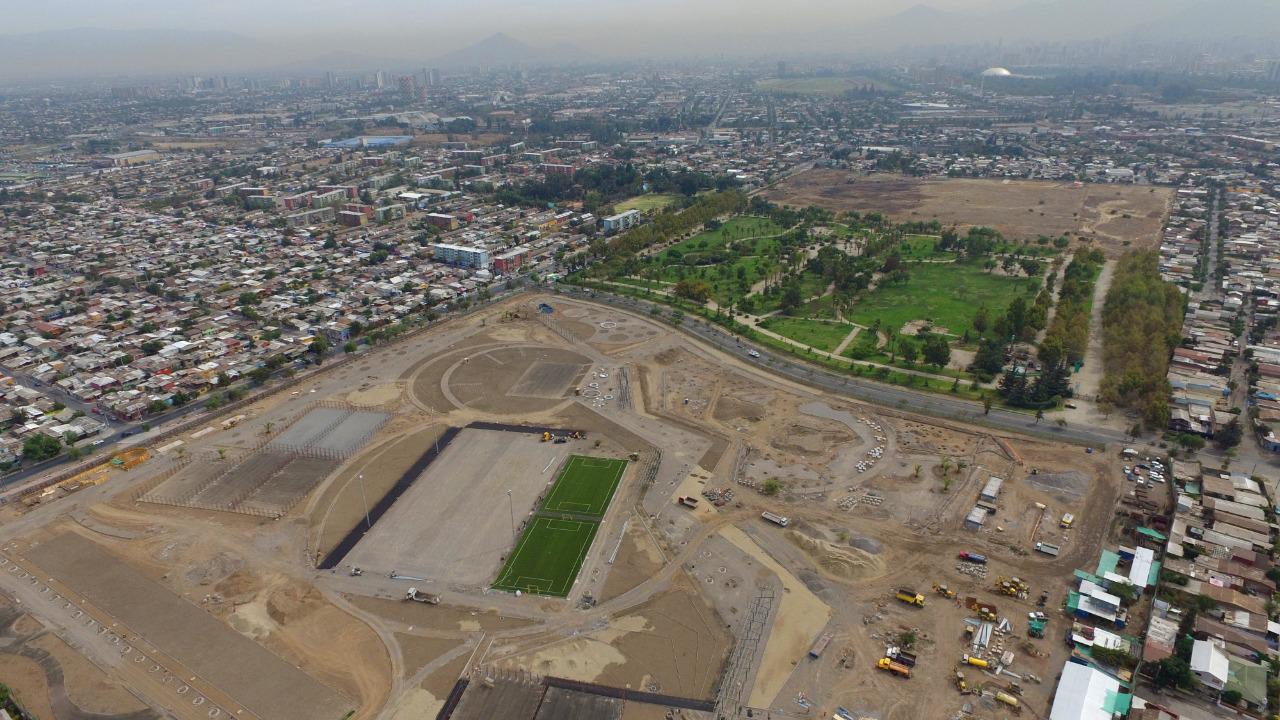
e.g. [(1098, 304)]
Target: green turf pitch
[(548, 557), (585, 486)]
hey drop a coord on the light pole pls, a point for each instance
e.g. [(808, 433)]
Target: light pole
[(511, 505), (365, 500)]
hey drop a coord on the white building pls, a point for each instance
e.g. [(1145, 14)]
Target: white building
[(1209, 663), (1088, 694)]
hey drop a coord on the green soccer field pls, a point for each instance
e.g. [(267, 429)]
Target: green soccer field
[(585, 486), (548, 557)]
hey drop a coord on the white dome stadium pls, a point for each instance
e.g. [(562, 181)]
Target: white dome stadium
[(996, 72)]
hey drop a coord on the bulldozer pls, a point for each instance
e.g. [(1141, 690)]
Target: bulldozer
[(962, 685), (944, 591)]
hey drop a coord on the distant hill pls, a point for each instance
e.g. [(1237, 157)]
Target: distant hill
[(501, 49)]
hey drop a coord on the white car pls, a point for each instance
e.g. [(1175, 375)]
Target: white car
[(754, 353)]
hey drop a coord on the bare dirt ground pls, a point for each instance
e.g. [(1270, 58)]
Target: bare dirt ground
[(1113, 216), (672, 599)]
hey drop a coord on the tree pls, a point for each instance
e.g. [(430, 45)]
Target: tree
[(40, 447), (1173, 671), (937, 352), (908, 350), (1039, 415), (771, 487), (349, 347), (791, 298), (695, 290), (1229, 435), (986, 404)]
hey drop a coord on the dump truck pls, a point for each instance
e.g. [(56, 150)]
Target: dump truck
[(776, 519), (689, 501), (1048, 549), (423, 597), (973, 557), (896, 668), (910, 597), (944, 591), (975, 661), (902, 656), (820, 645)]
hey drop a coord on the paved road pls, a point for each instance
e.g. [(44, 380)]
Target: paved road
[(890, 396)]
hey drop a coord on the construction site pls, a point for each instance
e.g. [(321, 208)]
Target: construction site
[(552, 508)]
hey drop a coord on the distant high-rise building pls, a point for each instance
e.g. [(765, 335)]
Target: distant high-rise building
[(380, 79), (433, 77), (330, 80), (407, 85), (1273, 70)]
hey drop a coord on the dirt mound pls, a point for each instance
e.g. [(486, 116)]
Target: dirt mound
[(866, 544), (807, 440), (838, 562), (215, 569), (293, 602), (728, 408)]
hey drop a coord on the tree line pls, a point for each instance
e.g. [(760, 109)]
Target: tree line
[(1141, 324)]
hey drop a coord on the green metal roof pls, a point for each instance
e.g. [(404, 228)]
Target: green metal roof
[(1152, 533), (1107, 562)]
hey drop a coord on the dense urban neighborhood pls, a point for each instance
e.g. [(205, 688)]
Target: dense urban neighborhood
[(917, 386)]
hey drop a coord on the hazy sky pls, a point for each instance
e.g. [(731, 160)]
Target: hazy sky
[(555, 19)]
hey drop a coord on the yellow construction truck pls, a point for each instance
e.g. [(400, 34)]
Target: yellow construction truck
[(910, 597)]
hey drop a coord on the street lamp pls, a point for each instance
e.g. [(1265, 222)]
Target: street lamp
[(511, 505), (365, 500)]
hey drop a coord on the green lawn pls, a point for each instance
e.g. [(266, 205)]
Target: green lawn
[(644, 203), (548, 557), (585, 485), (733, 229), (814, 333), (811, 286), (731, 277), (947, 295), (923, 247)]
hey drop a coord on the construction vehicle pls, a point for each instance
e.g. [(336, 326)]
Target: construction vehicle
[(1066, 521), (1013, 587), (1035, 627), (973, 557), (962, 684), (896, 668), (546, 436), (944, 591), (1009, 700), (1044, 598), (910, 597), (820, 645), (560, 440), (1048, 549), (356, 572), (902, 656), (975, 661), (689, 501), (423, 597), (776, 519)]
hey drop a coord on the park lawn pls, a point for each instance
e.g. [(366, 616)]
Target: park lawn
[(811, 287), (731, 230), (817, 334), (923, 247), (585, 485), (946, 294), (645, 203), (548, 557), (643, 283)]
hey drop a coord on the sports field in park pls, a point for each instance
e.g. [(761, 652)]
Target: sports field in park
[(548, 557), (550, 552), (585, 486)]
